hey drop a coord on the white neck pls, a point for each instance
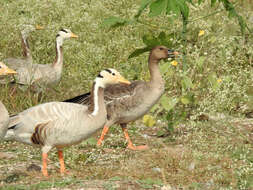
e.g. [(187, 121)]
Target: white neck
[(59, 57), (98, 83)]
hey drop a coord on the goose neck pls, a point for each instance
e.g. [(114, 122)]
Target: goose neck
[(25, 46), (97, 105), (59, 53), (155, 74)]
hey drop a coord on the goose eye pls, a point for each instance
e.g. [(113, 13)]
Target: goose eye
[(113, 74), (0, 66), (161, 48)]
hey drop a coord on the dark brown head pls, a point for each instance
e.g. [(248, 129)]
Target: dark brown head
[(162, 52)]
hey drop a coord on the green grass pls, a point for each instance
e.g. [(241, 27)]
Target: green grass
[(198, 154)]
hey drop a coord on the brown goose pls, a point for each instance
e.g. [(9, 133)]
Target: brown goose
[(16, 63), (45, 74), (61, 124), (4, 116), (126, 103)]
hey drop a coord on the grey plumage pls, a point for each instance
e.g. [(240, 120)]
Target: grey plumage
[(128, 103)]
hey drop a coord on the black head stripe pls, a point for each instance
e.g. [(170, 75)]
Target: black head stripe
[(63, 30), (57, 35), (108, 70), (100, 76)]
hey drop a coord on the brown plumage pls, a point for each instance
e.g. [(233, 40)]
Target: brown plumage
[(126, 103)]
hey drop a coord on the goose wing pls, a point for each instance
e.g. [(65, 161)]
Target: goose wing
[(112, 92), (48, 113)]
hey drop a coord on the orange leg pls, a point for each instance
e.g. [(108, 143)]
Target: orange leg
[(100, 140), (44, 164), (60, 155), (130, 144)]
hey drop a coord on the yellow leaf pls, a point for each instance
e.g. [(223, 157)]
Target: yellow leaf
[(174, 63), (201, 32), (148, 120)]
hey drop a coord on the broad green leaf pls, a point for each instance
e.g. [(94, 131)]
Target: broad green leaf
[(173, 7), (212, 78), (144, 4), (200, 62), (150, 40), (164, 68), (213, 2), (114, 22), (168, 103), (148, 120), (138, 52), (91, 141), (185, 100), (154, 108), (186, 82), (200, 1), (157, 7), (183, 8)]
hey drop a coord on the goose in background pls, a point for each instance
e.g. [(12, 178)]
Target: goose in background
[(4, 116), (127, 103), (45, 74), (16, 63), (61, 124)]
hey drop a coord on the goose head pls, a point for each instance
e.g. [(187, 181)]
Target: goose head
[(4, 70), (64, 34), (110, 76), (162, 52), (30, 28)]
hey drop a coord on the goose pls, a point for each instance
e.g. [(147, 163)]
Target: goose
[(127, 103), (4, 116), (45, 74), (61, 124), (16, 63)]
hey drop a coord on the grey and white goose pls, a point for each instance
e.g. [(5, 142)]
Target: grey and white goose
[(45, 74), (61, 124), (127, 103), (16, 63), (4, 116)]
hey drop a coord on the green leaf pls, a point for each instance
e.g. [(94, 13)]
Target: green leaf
[(144, 4), (200, 62), (168, 103), (173, 7), (212, 78), (138, 52), (91, 141), (185, 100), (148, 120), (114, 22), (200, 1), (183, 8), (157, 7), (186, 82), (213, 2), (164, 68)]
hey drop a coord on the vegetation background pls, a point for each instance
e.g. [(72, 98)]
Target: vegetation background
[(200, 134)]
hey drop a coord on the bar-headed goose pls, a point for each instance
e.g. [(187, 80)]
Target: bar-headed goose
[(16, 63), (4, 116), (61, 124), (126, 103), (45, 74)]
